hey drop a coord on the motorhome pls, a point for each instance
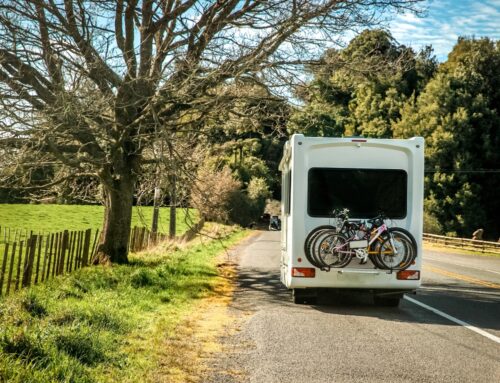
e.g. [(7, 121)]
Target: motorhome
[(366, 176)]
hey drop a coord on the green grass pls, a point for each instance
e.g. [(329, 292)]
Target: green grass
[(17, 220), (52, 218), (103, 324)]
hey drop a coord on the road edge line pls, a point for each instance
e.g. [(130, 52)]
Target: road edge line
[(455, 320)]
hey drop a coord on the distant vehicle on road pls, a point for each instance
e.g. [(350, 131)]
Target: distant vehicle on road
[(274, 223), (365, 177)]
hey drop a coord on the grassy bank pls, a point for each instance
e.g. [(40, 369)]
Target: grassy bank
[(51, 218), (105, 324)]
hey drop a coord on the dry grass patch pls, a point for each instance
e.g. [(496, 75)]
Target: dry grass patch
[(452, 250)]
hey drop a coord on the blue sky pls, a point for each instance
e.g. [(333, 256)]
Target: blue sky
[(444, 21)]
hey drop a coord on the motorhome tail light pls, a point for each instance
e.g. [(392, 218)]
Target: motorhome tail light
[(408, 275), (303, 272)]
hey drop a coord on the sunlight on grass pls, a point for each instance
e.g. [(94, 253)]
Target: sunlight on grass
[(107, 323), (52, 218)]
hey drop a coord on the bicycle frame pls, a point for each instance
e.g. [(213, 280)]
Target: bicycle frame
[(378, 230)]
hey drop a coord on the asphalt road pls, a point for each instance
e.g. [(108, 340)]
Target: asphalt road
[(448, 332)]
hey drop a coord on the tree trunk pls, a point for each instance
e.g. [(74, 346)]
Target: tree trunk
[(156, 210), (117, 220), (173, 207)]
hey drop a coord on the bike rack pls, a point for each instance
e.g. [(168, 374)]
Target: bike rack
[(373, 272), (357, 271)]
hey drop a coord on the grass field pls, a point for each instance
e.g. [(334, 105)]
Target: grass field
[(53, 218), (17, 221), (108, 324)]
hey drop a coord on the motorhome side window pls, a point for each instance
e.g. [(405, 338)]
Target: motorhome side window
[(288, 191), (365, 192)]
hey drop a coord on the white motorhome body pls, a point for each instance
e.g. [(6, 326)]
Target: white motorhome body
[(364, 175)]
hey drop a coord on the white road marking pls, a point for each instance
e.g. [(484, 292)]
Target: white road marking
[(455, 320), (461, 264)]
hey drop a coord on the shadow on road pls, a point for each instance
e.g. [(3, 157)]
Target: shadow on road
[(259, 290)]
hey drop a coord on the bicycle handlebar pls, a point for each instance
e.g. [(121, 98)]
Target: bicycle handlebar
[(344, 215)]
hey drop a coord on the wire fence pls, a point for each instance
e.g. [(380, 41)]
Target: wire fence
[(33, 258), (28, 258)]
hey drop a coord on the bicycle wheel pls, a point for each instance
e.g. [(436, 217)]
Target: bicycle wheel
[(332, 250), (373, 252), (396, 253), (314, 247), (413, 253), (406, 233), (308, 251)]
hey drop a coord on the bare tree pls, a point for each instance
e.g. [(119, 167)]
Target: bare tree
[(89, 83)]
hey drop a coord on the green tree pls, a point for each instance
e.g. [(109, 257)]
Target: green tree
[(361, 89), (458, 114), (249, 136)]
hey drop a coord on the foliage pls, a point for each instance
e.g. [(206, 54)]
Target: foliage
[(458, 114), (106, 323), (273, 207), (249, 136), (319, 119), (242, 210), (218, 196), (258, 191), (360, 90), (212, 192), (431, 224), (245, 207)]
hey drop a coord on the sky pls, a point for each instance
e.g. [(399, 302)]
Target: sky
[(444, 21)]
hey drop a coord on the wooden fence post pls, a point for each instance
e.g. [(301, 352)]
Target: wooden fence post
[(64, 248), (79, 249), (30, 258), (57, 249), (51, 252), (94, 245), (19, 258), (45, 257), (131, 241), (39, 254), (86, 248), (11, 268), (4, 265), (71, 251)]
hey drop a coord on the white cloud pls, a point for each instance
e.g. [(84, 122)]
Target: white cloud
[(445, 21)]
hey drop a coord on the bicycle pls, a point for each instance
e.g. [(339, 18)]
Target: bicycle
[(387, 248)]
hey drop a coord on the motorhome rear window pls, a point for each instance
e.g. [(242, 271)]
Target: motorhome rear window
[(365, 192)]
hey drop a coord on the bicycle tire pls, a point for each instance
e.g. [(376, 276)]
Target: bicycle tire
[(373, 253), (314, 248), (327, 255), (309, 240), (405, 252), (404, 232)]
